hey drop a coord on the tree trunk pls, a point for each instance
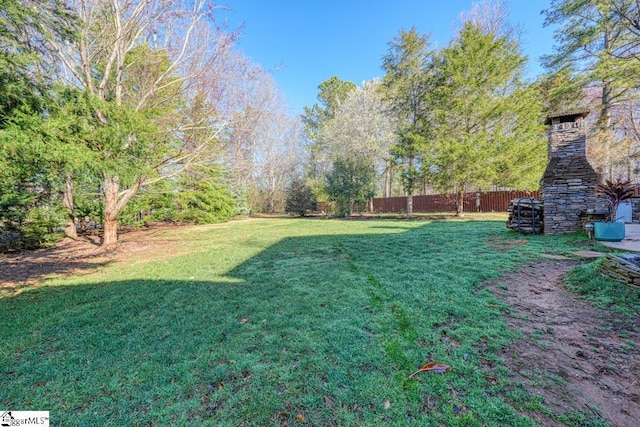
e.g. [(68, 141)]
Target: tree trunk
[(271, 204), (111, 191), (605, 118), (410, 184), (67, 201), (460, 202), (605, 126), (115, 201), (110, 228), (387, 180)]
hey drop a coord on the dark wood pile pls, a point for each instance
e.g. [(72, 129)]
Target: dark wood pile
[(531, 213)]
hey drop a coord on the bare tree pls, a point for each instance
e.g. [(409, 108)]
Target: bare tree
[(492, 16), (619, 153), (277, 158), (263, 141), (259, 144), (362, 126)]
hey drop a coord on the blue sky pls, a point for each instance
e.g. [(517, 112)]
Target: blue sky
[(306, 42)]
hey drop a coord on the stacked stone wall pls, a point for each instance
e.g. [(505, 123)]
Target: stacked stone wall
[(569, 182), (635, 206), (621, 269)]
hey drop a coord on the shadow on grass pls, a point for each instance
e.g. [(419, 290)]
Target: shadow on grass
[(320, 328), (22, 269)]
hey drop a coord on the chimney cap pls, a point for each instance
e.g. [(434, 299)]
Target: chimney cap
[(572, 114)]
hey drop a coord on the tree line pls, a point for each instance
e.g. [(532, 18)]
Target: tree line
[(116, 109), (466, 117), (124, 111)]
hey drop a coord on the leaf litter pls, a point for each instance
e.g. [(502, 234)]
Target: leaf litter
[(432, 367)]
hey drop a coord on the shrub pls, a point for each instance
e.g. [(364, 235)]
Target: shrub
[(204, 203), (300, 199), (615, 192), (42, 226), (351, 181), (189, 201), (151, 204)]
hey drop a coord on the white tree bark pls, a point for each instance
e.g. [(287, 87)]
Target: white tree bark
[(361, 127)]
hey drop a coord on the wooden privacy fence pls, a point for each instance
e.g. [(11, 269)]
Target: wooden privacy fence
[(492, 201)]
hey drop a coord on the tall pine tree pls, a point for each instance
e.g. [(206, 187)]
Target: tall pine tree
[(488, 128), (407, 65)]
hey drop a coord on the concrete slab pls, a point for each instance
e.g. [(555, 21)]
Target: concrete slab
[(631, 242), (556, 257), (588, 254)]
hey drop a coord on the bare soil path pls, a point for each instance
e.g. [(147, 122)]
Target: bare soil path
[(577, 357)]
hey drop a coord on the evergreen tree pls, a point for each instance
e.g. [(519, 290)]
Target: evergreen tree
[(407, 66), (26, 29), (133, 62), (488, 127), (351, 181), (300, 198), (29, 191)]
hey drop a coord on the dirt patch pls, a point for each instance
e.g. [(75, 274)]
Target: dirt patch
[(575, 356), (501, 244), (24, 269)]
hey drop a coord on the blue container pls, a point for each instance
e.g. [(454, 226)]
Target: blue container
[(609, 231)]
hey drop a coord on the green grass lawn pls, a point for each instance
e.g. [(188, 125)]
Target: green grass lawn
[(277, 322)]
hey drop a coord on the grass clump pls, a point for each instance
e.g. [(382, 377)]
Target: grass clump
[(603, 292)]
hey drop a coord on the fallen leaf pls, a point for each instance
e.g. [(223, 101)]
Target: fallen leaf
[(328, 401), (300, 418), (436, 368), (387, 404)]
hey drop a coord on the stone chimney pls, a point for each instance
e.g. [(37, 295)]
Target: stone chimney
[(569, 182)]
